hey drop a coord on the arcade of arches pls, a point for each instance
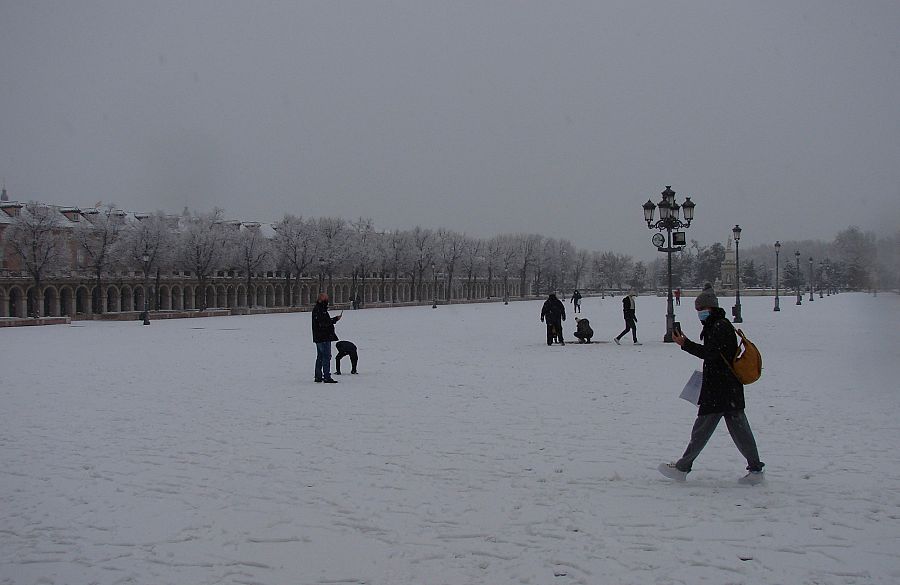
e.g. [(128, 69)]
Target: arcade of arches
[(78, 297)]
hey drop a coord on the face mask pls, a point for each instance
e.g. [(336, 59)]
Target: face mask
[(702, 315)]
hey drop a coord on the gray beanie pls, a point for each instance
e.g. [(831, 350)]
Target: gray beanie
[(707, 298)]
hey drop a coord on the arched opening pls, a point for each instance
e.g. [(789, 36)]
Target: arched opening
[(112, 299), (16, 304), (66, 302), (177, 298), (51, 302)]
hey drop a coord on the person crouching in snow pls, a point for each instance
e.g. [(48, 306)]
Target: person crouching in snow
[(345, 348), (583, 330), (721, 394)]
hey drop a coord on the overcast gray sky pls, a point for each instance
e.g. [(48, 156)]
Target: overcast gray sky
[(559, 118)]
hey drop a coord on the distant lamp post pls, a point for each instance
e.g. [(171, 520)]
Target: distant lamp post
[(434, 288), (321, 274), (821, 277), (812, 284), (777, 252), (505, 285), (668, 221), (146, 260), (736, 309), (799, 298)]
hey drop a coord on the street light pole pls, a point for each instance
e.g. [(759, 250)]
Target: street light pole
[(146, 260), (799, 275), (505, 285), (821, 277), (736, 310), (811, 280), (434, 288), (668, 221), (321, 274), (777, 250)]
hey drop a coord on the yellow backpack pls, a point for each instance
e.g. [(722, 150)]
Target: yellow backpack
[(747, 363)]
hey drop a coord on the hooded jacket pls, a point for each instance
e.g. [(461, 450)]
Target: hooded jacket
[(720, 391), (553, 311)]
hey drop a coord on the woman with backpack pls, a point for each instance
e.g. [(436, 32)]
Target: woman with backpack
[(721, 393)]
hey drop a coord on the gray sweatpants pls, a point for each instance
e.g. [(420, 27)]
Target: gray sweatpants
[(738, 428)]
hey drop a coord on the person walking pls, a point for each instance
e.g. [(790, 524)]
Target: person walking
[(576, 301), (345, 348), (721, 393), (583, 330), (323, 334), (678, 297), (553, 313), (628, 310)]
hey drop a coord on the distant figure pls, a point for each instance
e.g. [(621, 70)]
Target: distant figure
[(721, 393), (345, 348), (678, 296), (628, 310), (553, 313), (576, 300), (323, 334), (583, 330)]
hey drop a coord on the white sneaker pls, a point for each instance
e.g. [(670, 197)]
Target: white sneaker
[(753, 478), (672, 472)]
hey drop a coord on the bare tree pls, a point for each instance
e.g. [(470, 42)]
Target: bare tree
[(202, 247), (295, 240), (149, 237), (37, 239), (98, 239), (579, 265), (472, 261), (423, 247), (450, 248), (362, 253), (251, 251), (529, 245), (332, 239)]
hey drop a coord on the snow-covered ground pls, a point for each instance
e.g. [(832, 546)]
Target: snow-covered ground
[(200, 451)]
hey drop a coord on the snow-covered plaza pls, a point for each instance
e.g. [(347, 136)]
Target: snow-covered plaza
[(466, 451)]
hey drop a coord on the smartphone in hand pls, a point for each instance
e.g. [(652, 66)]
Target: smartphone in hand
[(676, 327)]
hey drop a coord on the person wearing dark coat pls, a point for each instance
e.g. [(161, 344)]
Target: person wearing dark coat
[(553, 313), (628, 311), (721, 393), (583, 330), (323, 334), (576, 301), (345, 348)]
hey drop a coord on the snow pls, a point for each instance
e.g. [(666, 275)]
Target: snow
[(200, 451)]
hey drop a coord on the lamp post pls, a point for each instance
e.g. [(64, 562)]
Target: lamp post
[(736, 309), (799, 298), (505, 286), (777, 251), (146, 260), (434, 288), (821, 277), (668, 221), (811, 283), (321, 273)]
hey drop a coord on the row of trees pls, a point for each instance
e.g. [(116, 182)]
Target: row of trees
[(47, 240)]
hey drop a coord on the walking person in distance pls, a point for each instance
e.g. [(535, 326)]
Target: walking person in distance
[(721, 393), (628, 311)]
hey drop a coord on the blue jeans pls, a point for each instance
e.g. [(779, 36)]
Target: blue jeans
[(323, 360)]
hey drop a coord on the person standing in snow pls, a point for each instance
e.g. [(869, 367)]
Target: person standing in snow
[(721, 393), (576, 301), (628, 309), (553, 313), (323, 334), (583, 330)]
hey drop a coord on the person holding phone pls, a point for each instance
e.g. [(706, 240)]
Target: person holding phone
[(323, 334), (721, 393)]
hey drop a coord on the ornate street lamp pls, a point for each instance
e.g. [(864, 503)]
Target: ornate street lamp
[(146, 260), (736, 309), (321, 274), (668, 221), (777, 251), (799, 298), (505, 286), (434, 288), (812, 284), (821, 277)]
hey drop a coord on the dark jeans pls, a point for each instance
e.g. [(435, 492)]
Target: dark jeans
[(741, 434), (353, 359), (629, 326), (323, 360)]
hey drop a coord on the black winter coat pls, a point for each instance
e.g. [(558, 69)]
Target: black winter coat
[(721, 391), (553, 311), (323, 323), (584, 328), (628, 309)]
